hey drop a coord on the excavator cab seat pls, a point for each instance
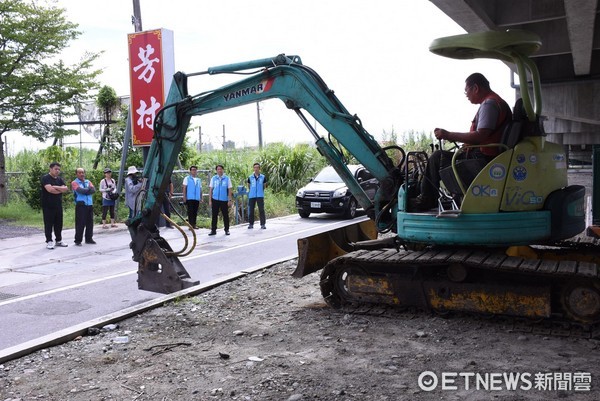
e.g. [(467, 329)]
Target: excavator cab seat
[(468, 169)]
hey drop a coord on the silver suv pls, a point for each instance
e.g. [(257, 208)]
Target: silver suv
[(327, 193)]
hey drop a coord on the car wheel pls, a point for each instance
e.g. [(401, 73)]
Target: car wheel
[(350, 212), (304, 214)]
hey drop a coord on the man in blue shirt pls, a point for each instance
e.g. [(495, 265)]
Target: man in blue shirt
[(257, 183), (192, 195), (84, 207), (220, 199)]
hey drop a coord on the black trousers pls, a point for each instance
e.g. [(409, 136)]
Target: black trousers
[(441, 159), (84, 221), (192, 211), (252, 202), (166, 209), (53, 221), (222, 207), (106, 210), (431, 181)]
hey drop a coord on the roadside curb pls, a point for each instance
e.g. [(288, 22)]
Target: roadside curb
[(71, 333)]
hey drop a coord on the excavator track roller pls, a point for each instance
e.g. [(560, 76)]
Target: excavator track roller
[(581, 300), (489, 283)]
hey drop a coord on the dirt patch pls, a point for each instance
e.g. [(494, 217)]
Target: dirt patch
[(7, 230), (269, 336)]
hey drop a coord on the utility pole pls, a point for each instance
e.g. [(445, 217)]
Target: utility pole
[(136, 18), (200, 139), (223, 136), (260, 144)]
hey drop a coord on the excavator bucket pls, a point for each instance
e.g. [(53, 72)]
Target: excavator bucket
[(316, 251)]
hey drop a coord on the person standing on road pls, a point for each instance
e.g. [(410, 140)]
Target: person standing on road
[(257, 183), (83, 190), (219, 199), (53, 187), (107, 187), (192, 195), (133, 185)]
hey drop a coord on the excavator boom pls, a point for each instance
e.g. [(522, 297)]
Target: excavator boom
[(301, 89)]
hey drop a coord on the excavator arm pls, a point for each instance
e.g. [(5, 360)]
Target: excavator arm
[(301, 89)]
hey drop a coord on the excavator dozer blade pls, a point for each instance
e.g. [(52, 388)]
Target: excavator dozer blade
[(316, 251)]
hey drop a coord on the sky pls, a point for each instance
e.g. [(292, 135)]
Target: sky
[(373, 54)]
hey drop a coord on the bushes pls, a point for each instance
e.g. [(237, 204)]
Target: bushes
[(34, 186), (287, 168)]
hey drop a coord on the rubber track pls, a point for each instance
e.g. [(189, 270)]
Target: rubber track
[(498, 262), (477, 259)]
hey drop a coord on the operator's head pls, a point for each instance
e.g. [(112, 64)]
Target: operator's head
[(256, 167), (80, 172), (193, 170), (477, 88), (219, 169)]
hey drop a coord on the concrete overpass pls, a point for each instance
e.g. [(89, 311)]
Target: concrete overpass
[(569, 60)]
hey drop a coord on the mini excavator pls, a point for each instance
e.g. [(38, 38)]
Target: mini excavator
[(504, 238)]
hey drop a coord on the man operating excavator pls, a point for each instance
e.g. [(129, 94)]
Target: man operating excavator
[(486, 128)]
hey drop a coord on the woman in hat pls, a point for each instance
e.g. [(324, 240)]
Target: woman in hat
[(108, 186), (133, 185)]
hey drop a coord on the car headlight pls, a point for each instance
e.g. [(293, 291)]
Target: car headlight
[(340, 192), (300, 193)]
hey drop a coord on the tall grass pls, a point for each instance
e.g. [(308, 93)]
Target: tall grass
[(286, 168)]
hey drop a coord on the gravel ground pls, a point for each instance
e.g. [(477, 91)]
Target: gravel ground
[(8, 230), (269, 336)]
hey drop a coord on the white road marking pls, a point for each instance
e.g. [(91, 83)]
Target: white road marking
[(98, 280)]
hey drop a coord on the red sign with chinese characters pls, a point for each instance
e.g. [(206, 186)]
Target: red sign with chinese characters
[(150, 71)]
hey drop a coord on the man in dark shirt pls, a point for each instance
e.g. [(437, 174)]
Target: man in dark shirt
[(53, 187)]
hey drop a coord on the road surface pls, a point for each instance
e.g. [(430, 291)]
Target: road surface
[(45, 292)]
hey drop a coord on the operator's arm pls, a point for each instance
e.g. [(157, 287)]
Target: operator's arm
[(470, 138), (184, 190), (487, 122)]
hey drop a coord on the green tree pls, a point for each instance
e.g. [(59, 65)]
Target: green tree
[(34, 186), (108, 102), (38, 90)]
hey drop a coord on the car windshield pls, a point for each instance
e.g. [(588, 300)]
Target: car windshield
[(328, 174)]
